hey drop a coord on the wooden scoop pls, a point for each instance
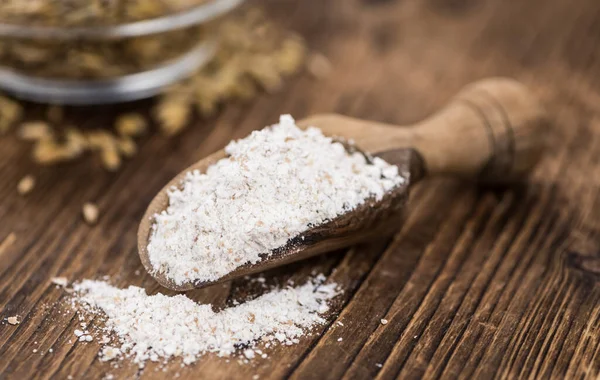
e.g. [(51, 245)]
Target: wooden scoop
[(492, 131)]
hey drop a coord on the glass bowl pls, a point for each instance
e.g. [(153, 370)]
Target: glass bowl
[(80, 65)]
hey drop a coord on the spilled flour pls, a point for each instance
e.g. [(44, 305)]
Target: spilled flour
[(274, 185), (160, 327)]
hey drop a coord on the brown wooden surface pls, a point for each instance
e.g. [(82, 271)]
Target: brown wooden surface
[(477, 282)]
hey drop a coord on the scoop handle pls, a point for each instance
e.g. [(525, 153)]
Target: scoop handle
[(493, 130)]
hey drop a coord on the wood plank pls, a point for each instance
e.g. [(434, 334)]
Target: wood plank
[(477, 283)]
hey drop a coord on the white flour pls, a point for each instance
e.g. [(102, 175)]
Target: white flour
[(275, 184), (159, 327)]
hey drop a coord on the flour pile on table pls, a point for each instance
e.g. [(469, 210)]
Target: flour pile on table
[(159, 327), (274, 185)]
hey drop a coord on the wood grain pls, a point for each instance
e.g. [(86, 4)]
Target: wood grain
[(477, 283)]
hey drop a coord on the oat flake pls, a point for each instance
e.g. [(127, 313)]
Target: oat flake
[(26, 185)]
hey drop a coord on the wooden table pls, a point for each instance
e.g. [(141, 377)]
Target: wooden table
[(478, 283)]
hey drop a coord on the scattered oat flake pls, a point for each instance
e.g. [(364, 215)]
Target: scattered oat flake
[(26, 184), (173, 113), (111, 160), (127, 146), (131, 124), (34, 130), (340, 339), (384, 321), (13, 320), (90, 213), (106, 144)]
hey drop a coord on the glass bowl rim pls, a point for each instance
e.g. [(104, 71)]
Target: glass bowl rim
[(125, 88)]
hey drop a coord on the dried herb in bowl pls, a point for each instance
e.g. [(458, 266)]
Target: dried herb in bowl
[(94, 52), (96, 59)]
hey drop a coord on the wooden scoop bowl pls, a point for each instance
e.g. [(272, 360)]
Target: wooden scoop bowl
[(492, 131)]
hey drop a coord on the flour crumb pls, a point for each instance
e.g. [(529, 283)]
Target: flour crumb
[(378, 365), (60, 281), (236, 213), (340, 339), (13, 320), (159, 327), (109, 353), (90, 213)]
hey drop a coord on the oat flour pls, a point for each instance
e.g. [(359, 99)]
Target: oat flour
[(274, 185), (159, 327)]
